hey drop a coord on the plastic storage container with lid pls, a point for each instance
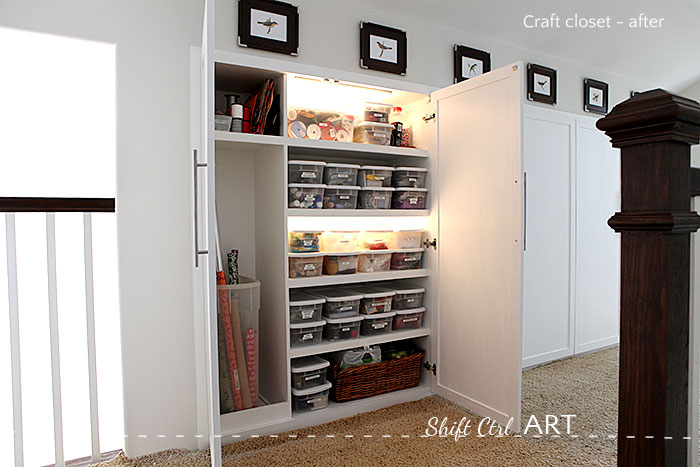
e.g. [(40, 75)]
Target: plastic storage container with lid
[(407, 239), (340, 174), (301, 334), (340, 303), (305, 172), (304, 241), (375, 299), (377, 112), (408, 177), (305, 265), (304, 308), (340, 197), (374, 261), (337, 329), (315, 398), (340, 240), (222, 122), (408, 319), (377, 239), (375, 198), (340, 263), (377, 324), (306, 196), (407, 297), (410, 258), (409, 198), (373, 133), (374, 176), (309, 372)]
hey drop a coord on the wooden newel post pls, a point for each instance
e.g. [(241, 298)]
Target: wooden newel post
[(654, 130)]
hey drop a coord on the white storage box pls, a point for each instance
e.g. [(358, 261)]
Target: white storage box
[(305, 265), (375, 176), (373, 133), (409, 198), (337, 329), (374, 261), (375, 299), (304, 241), (303, 334), (305, 172), (306, 196), (340, 303), (340, 263), (340, 174), (340, 197), (377, 112), (407, 239), (309, 372), (408, 319), (407, 259), (375, 198), (409, 177), (304, 308), (315, 398), (407, 297), (340, 240), (377, 239), (377, 324)]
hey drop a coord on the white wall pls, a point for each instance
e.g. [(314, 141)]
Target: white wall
[(693, 92)]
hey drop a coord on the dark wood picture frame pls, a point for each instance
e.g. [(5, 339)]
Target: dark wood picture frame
[(246, 38), (535, 87), (366, 48), (462, 51), (588, 104)]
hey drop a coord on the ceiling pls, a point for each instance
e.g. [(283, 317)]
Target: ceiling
[(668, 57)]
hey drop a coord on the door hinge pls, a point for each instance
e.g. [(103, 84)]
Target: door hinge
[(430, 367), (429, 117), (429, 243)]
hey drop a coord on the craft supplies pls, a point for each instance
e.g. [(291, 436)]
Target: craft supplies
[(314, 398), (320, 124), (340, 263), (304, 241), (397, 118), (407, 239), (374, 176), (302, 334), (373, 133), (375, 198), (408, 319), (377, 112), (260, 104), (407, 297), (309, 372), (222, 123), (375, 299), (305, 265), (340, 241), (340, 303), (233, 267), (340, 197), (309, 172), (342, 328), (407, 259), (377, 324), (340, 174), (304, 307), (374, 261), (377, 239), (408, 177), (409, 198), (303, 196), (357, 357)]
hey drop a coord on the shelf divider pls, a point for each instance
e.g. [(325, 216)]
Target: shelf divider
[(355, 278)]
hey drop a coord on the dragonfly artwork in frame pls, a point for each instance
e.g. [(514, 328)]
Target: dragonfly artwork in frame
[(541, 84), (382, 48)]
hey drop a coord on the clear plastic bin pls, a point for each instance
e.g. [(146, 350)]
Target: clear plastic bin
[(340, 174), (337, 329), (340, 240), (222, 122), (409, 198), (306, 172), (409, 177), (407, 239), (375, 299), (407, 297), (408, 319), (303, 334), (374, 261), (306, 196), (377, 324), (336, 197), (315, 398), (340, 303), (327, 125), (375, 198), (377, 239), (373, 133), (340, 263), (407, 259), (304, 308), (374, 176), (304, 241), (241, 303), (309, 372), (377, 112), (305, 265)]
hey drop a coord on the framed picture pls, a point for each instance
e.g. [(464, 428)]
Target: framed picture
[(595, 96), (470, 62), (382, 48), (541, 84), (268, 25)]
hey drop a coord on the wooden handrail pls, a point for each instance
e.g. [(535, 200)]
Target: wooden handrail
[(10, 204), (694, 181)]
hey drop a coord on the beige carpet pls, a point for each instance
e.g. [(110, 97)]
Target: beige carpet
[(584, 386)]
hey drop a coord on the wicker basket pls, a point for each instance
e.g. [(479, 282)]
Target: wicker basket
[(377, 378)]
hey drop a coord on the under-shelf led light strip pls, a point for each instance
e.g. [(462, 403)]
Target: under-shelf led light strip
[(357, 223)]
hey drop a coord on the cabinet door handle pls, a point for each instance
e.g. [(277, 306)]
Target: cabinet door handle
[(525, 211), (196, 165)]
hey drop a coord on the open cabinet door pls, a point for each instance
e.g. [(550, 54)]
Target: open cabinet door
[(479, 147)]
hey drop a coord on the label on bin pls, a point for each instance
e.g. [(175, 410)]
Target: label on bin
[(308, 197), (308, 175), (410, 320), (413, 200), (306, 314), (342, 175), (314, 401), (379, 325), (345, 329), (377, 178), (345, 308), (306, 337), (311, 267), (344, 197), (309, 378), (410, 300), (412, 179), (307, 242)]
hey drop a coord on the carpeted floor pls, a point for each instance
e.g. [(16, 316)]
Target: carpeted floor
[(584, 386)]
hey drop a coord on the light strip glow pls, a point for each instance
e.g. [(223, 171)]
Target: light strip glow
[(357, 223)]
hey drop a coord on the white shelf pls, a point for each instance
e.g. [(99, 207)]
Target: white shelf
[(299, 212), (248, 141), (355, 278), (326, 347)]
